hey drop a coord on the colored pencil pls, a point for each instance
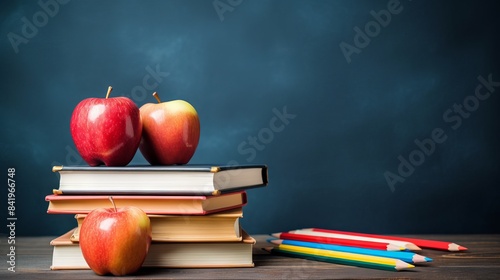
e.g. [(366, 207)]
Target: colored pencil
[(341, 257), (277, 251), (407, 245), (408, 257), (337, 254), (338, 241), (424, 243)]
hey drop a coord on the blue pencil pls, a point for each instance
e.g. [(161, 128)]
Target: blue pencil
[(408, 257)]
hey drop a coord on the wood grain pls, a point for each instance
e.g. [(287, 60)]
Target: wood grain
[(481, 261)]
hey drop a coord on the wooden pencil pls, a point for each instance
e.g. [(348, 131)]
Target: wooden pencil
[(408, 257), (424, 243), (338, 241), (341, 257), (407, 245)]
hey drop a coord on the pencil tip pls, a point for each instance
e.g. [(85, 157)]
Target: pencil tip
[(277, 234), (275, 241), (413, 247), (456, 247), (392, 247), (420, 259), (403, 265)]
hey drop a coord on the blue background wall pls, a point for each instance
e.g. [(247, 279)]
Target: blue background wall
[(357, 91)]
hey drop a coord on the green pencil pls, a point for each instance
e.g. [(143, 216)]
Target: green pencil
[(396, 266)]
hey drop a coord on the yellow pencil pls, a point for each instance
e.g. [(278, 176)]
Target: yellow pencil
[(396, 263), (400, 265)]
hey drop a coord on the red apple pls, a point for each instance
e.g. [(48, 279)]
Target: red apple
[(171, 131), (115, 241), (106, 130)]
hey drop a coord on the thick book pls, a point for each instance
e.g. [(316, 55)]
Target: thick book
[(222, 226), (68, 255), (151, 204), (167, 180)]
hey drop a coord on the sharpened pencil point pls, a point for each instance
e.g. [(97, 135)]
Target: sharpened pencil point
[(412, 247), (277, 235), (403, 265), (455, 247), (392, 247), (420, 259), (274, 241)]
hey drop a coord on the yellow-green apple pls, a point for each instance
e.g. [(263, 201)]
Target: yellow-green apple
[(170, 132), (115, 241), (106, 130)]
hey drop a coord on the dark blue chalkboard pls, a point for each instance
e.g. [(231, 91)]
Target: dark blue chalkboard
[(377, 116)]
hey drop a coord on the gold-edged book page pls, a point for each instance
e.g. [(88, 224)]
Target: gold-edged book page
[(217, 227)]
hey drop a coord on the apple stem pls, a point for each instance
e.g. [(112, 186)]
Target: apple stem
[(113, 202), (109, 91), (155, 94)]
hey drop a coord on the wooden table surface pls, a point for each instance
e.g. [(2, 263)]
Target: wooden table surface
[(481, 261)]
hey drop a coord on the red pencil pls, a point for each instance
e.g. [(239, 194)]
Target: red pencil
[(424, 243), (338, 241)]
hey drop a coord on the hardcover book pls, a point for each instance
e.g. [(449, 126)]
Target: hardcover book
[(222, 226), (151, 204), (166, 180), (68, 255)]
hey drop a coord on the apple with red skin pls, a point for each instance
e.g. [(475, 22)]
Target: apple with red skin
[(106, 130), (171, 132), (115, 241)]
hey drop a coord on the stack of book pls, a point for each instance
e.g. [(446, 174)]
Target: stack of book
[(356, 249), (195, 210)]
